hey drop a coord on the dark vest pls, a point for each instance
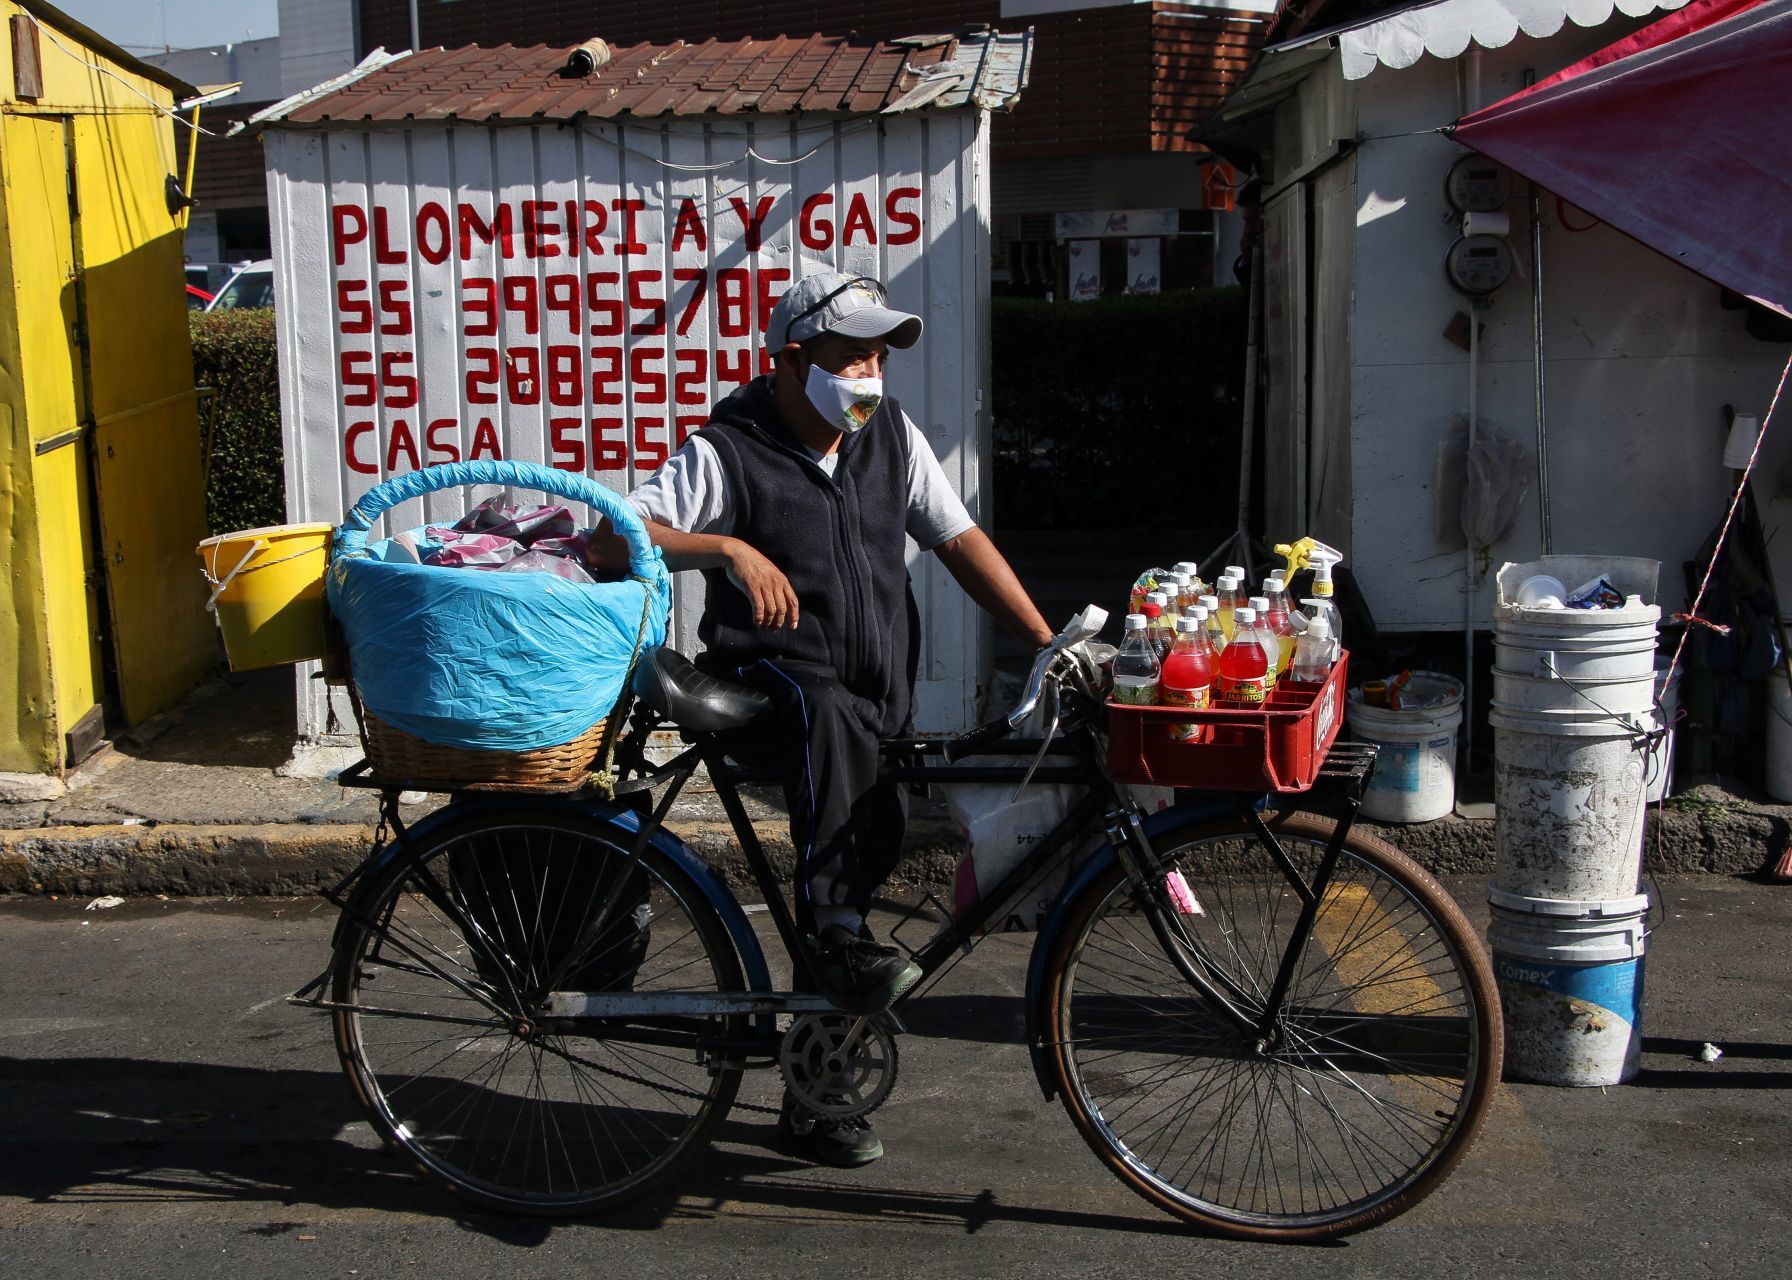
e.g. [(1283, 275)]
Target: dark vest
[(840, 539)]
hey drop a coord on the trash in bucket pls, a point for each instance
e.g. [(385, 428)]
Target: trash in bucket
[(268, 592), (1415, 771)]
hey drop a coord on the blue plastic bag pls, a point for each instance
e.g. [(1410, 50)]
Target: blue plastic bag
[(495, 661)]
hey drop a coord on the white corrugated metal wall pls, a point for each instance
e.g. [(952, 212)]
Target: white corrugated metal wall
[(579, 296)]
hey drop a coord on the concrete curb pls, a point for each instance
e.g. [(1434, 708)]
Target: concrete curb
[(1696, 837)]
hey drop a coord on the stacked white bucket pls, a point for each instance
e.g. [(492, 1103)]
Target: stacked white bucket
[(1574, 710)]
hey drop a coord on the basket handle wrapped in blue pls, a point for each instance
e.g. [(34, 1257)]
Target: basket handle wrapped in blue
[(499, 662)]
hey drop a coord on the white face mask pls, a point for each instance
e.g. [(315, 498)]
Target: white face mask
[(846, 404)]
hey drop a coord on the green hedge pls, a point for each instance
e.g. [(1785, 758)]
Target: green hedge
[(1121, 412), (233, 351)]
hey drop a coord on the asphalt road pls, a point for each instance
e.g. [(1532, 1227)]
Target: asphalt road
[(166, 1114)]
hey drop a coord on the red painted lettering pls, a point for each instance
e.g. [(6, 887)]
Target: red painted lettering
[(650, 443), (815, 231), (602, 303), (522, 375), (482, 375), (498, 230), (540, 222), (733, 302), (352, 456), (348, 225), (566, 377), (596, 219), (907, 219), (754, 222), (566, 443), (355, 310), (689, 226), (485, 442), (435, 240), (772, 283), (691, 385), (699, 276), (401, 388), (383, 251), (401, 441), (610, 450), (395, 308), (366, 387), (441, 450), (564, 297), (640, 300), (649, 385), (606, 372), (522, 297), (734, 366), (628, 209), (858, 218), (479, 297), (687, 423)]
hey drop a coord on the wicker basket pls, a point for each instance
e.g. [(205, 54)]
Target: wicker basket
[(398, 757)]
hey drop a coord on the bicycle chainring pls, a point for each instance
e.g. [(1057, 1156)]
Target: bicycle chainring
[(827, 1077)]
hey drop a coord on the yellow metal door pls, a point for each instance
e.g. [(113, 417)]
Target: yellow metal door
[(140, 382), (45, 295)]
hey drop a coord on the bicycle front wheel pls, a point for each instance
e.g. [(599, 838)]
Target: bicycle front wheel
[(1379, 1070), (442, 967)]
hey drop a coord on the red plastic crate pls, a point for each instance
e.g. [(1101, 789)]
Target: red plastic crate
[(1278, 747)]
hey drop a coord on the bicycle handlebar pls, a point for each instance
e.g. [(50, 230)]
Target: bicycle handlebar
[(984, 734)]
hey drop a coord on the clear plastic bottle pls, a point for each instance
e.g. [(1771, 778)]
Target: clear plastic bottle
[(1162, 631), (1243, 677), (1193, 571), (1136, 668), (1236, 571), (1216, 633), (1319, 607), (1312, 656), (1231, 601), (1279, 620), (1266, 637), (1187, 677)]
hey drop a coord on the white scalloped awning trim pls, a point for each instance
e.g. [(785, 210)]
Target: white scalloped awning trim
[(1447, 28)]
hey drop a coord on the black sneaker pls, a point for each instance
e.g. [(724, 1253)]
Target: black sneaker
[(859, 976), (845, 1144)]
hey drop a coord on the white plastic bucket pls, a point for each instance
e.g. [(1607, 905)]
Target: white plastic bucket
[(1570, 976), (1415, 771), (1779, 736), (1568, 810), (1658, 761)]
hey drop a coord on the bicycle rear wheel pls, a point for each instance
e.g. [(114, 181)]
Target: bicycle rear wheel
[(1382, 1067), (441, 966)]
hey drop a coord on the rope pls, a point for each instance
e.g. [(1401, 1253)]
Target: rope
[(1729, 518), (603, 781)]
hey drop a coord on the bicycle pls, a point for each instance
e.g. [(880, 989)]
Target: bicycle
[(546, 1006)]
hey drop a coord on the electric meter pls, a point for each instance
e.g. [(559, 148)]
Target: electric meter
[(1476, 184), (1478, 264)]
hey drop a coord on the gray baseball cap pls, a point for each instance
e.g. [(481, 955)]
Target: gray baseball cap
[(829, 302)]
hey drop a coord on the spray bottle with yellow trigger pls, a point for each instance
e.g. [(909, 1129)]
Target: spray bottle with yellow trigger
[(1309, 553)]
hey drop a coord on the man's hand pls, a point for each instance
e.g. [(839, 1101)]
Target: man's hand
[(774, 599)]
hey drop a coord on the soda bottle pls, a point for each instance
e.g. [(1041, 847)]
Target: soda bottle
[(1136, 669), (1312, 656), (1216, 634), (1151, 611), (1187, 679), (1243, 674), (1231, 601), (1277, 619), (1236, 571), (1193, 571), (1162, 630), (1267, 638)]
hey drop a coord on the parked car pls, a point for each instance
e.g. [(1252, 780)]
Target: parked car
[(197, 299), (252, 285)]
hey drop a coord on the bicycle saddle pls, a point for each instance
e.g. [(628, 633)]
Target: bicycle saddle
[(667, 681)]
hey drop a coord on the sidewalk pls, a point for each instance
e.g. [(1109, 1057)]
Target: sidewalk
[(195, 804)]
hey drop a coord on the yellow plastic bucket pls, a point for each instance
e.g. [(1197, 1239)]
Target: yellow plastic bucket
[(268, 592)]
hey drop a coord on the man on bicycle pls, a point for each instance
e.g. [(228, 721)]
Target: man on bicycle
[(797, 501)]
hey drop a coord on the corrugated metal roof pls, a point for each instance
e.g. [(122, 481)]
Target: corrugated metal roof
[(830, 74)]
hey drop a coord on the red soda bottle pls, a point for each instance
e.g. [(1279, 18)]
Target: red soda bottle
[(1243, 676), (1187, 678)]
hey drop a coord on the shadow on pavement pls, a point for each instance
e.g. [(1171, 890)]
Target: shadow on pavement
[(125, 1131), (247, 719)]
